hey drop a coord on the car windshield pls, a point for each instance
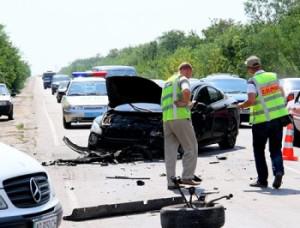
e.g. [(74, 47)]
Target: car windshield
[(60, 78), (230, 85), (48, 76), (87, 88), (63, 84), (3, 90)]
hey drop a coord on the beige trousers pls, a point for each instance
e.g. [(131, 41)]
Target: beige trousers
[(180, 132)]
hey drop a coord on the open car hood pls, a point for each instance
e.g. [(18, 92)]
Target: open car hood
[(128, 89)]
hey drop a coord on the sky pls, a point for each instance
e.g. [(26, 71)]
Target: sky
[(51, 34)]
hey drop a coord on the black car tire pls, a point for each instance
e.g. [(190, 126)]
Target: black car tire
[(93, 141), (58, 100), (230, 138), (67, 125), (52, 92), (11, 114), (179, 216)]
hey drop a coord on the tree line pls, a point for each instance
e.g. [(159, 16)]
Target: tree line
[(13, 70), (272, 33)]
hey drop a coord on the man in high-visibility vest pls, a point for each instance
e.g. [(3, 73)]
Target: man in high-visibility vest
[(178, 128), (267, 107)]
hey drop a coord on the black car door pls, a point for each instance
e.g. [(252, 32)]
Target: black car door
[(202, 115), (220, 114)]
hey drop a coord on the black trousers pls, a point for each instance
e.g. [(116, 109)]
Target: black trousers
[(262, 133)]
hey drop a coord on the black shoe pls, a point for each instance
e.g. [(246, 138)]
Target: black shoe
[(172, 187), (197, 178), (258, 184), (277, 181)]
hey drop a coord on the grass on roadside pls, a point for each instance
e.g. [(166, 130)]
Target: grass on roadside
[(20, 126)]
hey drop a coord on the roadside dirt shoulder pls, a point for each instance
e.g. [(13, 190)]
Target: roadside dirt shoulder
[(22, 131)]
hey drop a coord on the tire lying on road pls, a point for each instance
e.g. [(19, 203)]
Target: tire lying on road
[(180, 216)]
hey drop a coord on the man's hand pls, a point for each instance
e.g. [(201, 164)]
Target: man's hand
[(180, 103)]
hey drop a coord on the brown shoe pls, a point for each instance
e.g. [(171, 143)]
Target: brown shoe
[(189, 182)]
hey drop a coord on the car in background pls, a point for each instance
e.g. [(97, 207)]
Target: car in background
[(291, 87), (27, 198), (61, 90), (85, 99), (294, 109), (159, 82), (116, 70), (47, 79), (134, 116), (232, 86), (56, 80), (6, 105)]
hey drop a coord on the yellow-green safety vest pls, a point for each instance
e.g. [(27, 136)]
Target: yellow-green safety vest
[(170, 93), (270, 103)]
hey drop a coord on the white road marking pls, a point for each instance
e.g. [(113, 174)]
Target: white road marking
[(52, 128)]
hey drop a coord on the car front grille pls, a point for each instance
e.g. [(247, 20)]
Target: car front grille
[(20, 193), (93, 107)]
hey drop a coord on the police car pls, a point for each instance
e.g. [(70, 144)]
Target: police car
[(85, 98)]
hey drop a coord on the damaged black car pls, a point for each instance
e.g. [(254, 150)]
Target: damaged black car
[(134, 116)]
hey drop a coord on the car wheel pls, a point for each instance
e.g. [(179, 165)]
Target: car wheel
[(180, 216), (11, 115), (52, 92), (67, 125), (230, 138), (93, 141)]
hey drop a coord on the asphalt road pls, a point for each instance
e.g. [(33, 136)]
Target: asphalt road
[(87, 185)]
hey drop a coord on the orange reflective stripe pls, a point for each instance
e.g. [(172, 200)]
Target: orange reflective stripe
[(267, 90)]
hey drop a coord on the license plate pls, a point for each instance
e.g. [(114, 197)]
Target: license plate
[(46, 223), (91, 114)]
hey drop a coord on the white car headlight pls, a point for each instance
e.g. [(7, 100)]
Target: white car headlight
[(3, 205)]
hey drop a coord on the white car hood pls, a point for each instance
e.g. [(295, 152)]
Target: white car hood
[(5, 98), (87, 100), (16, 163)]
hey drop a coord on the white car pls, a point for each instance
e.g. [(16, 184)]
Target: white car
[(85, 99), (6, 104), (291, 87), (27, 198)]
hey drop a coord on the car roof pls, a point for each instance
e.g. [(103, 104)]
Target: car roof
[(113, 67), (289, 79), (87, 79), (60, 75), (223, 76)]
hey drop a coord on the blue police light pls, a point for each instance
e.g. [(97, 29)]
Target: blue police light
[(89, 74), (80, 74)]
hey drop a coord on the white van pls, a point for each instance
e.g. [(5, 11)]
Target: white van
[(27, 198)]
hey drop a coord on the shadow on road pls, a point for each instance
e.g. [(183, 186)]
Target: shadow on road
[(215, 150), (278, 192)]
